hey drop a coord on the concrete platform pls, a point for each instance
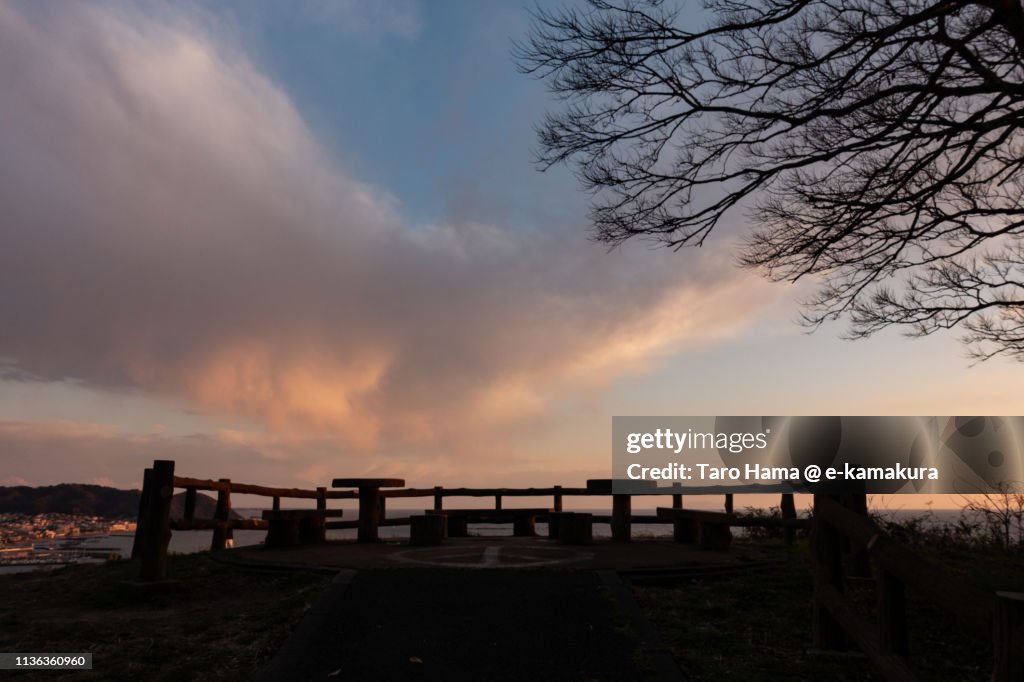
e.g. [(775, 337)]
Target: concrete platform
[(499, 553)]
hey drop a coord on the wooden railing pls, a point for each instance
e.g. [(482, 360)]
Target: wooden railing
[(154, 524), (899, 570)]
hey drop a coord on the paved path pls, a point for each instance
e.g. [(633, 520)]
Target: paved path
[(503, 552), (458, 624)]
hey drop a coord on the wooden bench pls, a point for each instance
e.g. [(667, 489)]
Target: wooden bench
[(710, 530), (575, 528), (524, 521), (429, 529), (291, 527)]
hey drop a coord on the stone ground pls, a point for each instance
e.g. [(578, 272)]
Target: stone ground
[(480, 608), (458, 624), (499, 552)]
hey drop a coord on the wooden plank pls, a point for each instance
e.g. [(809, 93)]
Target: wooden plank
[(349, 525), (262, 490), (1008, 637), (828, 577), (270, 514), (971, 606), (212, 524), (672, 514), (861, 632), (787, 507), (857, 557), (368, 483), (488, 492), (893, 636), (498, 513), (756, 522)]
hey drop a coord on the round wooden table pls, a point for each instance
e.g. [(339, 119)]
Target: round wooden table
[(369, 501), (622, 506)]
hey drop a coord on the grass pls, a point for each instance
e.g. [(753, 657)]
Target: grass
[(219, 623), (757, 625)]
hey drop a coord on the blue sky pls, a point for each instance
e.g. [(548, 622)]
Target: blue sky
[(303, 240), (426, 103)]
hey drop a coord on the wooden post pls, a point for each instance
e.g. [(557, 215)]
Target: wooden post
[(190, 504), (685, 531), (1008, 636), (828, 634), (622, 510), (497, 501), (892, 615), (369, 513), (524, 526), (576, 528), (438, 498), (713, 535), (728, 503), (382, 514), (428, 529), (859, 563), (158, 532), (677, 501), (554, 524), (142, 521), (277, 503), (437, 512), (221, 533), (313, 530), (321, 499), (787, 506), (558, 498), (458, 526)]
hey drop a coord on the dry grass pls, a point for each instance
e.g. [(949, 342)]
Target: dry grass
[(218, 624)]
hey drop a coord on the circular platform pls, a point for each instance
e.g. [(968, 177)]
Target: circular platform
[(484, 552), (492, 555)]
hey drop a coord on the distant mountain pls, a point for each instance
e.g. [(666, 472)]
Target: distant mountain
[(92, 500), (70, 498)]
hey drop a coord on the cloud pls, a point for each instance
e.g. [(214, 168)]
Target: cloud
[(170, 225)]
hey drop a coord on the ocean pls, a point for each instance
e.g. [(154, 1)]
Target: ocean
[(188, 542)]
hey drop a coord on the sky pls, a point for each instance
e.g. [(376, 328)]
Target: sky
[(287, 242)]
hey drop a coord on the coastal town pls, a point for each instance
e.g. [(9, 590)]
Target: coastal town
[(54, 538)]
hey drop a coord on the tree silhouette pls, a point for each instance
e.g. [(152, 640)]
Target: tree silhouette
[(876, 145)]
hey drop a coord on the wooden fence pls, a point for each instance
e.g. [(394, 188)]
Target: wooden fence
[(899, 570), (837, 530), (154, 525)]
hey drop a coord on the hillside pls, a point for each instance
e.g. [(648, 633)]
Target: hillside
[(91, 500), (70, 498)]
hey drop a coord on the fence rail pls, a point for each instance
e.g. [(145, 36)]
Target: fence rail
[(899, 570), (159, 482)]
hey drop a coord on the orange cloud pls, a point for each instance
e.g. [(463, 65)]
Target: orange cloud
[(172, 226)]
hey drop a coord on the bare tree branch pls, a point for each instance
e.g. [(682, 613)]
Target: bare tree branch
[(876, 145)]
